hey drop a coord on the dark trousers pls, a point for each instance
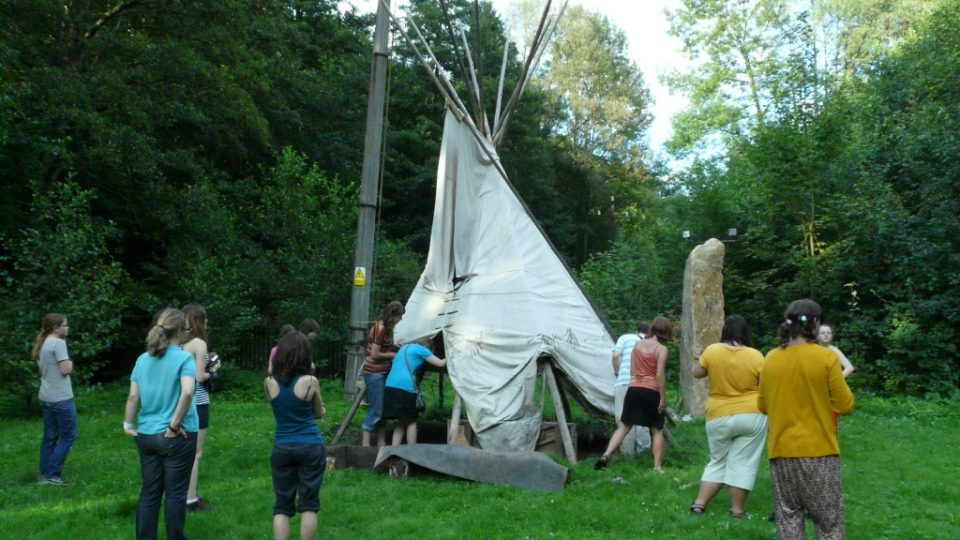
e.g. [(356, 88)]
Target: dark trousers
[(59, 433), (165, 465), (297, 471)]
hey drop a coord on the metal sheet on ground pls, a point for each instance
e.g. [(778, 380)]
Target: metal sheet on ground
[(527, 470)]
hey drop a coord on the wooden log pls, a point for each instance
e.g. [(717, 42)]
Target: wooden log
[(568, 447), (346, 419), (454, 419)]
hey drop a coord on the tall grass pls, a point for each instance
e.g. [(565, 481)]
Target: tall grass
[(899, 467)]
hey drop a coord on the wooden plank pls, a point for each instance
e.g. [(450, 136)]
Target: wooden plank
[(354, 457), (568, 447), (346, 420), (550, 439)]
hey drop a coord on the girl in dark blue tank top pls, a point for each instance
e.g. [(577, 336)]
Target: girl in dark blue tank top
[(294, 416), (299, 458)]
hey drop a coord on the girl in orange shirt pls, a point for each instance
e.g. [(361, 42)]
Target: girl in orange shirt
[(646, 398)]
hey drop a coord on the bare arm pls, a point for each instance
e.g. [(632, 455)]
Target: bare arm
[(844, 362), (615, 358), (198, 348), (662, 377), (318, 409), (439, 362), (187, 388), (66, 367), (698, 371), (266, 388), (133, 401)]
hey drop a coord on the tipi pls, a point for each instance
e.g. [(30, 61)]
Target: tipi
[(497, 290)]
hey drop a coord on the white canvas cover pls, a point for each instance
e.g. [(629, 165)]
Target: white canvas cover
[(502, 297)]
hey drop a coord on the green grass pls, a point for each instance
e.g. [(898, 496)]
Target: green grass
[(900, 481)]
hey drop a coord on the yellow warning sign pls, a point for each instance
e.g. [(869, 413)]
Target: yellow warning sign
[(360, 276)]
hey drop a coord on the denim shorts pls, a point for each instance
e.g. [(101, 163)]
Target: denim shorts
[(297, 471), (203, 414)]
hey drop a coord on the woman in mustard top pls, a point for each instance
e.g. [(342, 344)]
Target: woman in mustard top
[(736, 429), (801, 384)]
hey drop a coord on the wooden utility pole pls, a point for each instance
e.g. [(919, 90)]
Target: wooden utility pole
[(366, 222)]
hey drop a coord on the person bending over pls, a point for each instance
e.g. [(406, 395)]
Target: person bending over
[(400, 391)]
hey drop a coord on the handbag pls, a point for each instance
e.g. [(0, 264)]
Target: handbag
[(421, 405)]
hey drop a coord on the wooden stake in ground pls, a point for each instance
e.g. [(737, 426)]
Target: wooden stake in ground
[(346, 419), (454, 419), (568, 447)]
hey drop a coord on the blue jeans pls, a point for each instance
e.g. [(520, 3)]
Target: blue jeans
[(375, 383), (165, 465), (59, 433)]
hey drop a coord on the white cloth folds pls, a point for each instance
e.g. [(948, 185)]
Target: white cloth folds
[(502, 298)]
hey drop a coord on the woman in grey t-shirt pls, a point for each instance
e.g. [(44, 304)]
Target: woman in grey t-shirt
[(56, 397)]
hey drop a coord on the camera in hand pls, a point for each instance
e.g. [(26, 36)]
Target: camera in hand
[(213, 359)]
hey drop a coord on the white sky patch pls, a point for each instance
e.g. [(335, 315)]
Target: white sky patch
[(650, 47)]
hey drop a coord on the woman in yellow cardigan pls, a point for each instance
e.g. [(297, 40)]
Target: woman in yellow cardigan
[(801, 384)]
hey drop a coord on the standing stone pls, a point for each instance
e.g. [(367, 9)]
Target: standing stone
[(702, 319)]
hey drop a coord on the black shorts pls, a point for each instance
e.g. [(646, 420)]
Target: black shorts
[(297, 471), (640, 408), (203, 413), (399, 405)]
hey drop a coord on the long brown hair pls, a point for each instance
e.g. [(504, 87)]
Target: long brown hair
[(196, 320), (168, 324), (50, 322), (662, 328), (293, 357)]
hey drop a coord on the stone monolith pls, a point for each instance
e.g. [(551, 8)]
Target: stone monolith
[(702, 318)]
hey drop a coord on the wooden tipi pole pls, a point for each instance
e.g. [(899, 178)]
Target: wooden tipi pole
[(568, 446)]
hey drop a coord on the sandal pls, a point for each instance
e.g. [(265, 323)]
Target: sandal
[(698, 509), (600, 464), (738, 515)]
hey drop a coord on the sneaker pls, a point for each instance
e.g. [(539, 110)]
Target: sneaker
[(600, 464), (53, 481), (198, 505)]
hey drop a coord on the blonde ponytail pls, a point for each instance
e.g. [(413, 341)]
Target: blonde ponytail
[(169, 323)]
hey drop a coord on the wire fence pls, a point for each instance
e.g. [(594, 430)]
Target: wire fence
[(329, 357)]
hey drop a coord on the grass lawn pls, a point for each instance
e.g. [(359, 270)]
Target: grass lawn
[(899, 472)]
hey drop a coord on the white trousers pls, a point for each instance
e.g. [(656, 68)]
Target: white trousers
[(736, 445)]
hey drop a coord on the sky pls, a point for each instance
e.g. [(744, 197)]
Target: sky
[(650, 47)]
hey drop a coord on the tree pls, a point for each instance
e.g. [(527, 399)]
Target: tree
[(62, 264), (741, 44), (600, 94)]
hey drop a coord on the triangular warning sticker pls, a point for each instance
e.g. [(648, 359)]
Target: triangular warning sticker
[(360, 276)]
